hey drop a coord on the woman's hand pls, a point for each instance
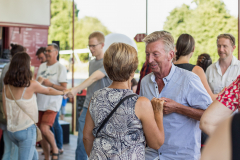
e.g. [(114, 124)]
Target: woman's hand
[(72, 92), (157, 105), (65, 93)]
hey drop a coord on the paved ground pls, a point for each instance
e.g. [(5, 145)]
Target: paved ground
[(69, 150)]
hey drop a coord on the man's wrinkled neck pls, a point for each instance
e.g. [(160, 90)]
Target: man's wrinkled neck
[(163, 72)]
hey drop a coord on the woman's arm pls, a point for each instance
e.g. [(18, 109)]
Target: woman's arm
[(88, 137), (219, 144), (199, 71), (152, 120), (212, 116), (38, 88), (93, 78)]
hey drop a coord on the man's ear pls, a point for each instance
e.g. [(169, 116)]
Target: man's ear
[(171, 55), (234, 48), (102, 45)]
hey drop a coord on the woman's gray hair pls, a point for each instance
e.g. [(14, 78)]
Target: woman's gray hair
[(165, 36)]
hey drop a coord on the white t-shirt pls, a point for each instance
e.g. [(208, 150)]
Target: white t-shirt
[(216, 80), (56, 74)]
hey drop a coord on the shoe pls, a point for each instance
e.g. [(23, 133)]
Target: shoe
[(55, 154)]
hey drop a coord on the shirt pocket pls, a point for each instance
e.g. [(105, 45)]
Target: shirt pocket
[(230, 80), (215, 85)]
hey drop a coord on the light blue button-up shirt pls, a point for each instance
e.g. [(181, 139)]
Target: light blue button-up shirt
[(182, 133)]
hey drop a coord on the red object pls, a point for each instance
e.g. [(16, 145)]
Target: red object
[(82, 93), (144, 71), (31, 39), (231, 96), (139, 37)]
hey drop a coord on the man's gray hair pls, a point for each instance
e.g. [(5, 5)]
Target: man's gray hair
[(165, 36), (55, 46)]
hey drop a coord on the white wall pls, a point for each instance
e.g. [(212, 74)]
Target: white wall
[(35, 12)]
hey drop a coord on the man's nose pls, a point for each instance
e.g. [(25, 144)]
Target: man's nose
[(150, 58), (221, 48)]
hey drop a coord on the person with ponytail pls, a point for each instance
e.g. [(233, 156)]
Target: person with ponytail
[(10, 149), (204, 60), (20, 105), (185, 47)]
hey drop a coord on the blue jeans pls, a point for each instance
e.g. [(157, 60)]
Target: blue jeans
[(10, 149), (57, 131), (26, 141), (80, 151)]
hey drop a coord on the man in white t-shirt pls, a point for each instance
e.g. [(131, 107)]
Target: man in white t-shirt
[(54, 75), (223, 72)]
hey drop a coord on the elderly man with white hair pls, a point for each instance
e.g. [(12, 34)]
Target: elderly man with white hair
[(185, 100)]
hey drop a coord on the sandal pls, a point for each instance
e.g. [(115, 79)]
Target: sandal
[(55, 154)]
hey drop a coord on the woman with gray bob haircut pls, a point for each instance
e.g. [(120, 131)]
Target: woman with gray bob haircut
[(119, 123)]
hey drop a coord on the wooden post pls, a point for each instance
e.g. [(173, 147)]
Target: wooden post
[(73, 16)]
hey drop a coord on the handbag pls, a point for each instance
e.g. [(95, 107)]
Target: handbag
[(39, 133), (111, 113)]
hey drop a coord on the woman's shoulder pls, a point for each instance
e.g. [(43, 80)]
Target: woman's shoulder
[(143, 102), (198, 70), (34, 83)]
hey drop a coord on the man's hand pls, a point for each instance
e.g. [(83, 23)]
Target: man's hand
[(66, 91), (72, 93), (157, 105), (40, 80), (169, 105), (47, 83)]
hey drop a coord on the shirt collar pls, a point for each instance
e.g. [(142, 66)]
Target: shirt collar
[(234, 62), (168, 77)]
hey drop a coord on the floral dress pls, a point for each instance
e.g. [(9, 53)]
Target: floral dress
[(231, 96), (122, 137)]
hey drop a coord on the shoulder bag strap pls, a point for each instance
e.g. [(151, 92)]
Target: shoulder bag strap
[(19, 105), (110, 115)]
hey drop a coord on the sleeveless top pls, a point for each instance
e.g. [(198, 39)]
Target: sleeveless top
[(16, 119), (235, 130), (186, 66), (122, 136)]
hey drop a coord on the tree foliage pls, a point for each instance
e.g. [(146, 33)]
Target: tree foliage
[(61, 25), (61, 22), (83, 28), (141, 54), (209, 19)]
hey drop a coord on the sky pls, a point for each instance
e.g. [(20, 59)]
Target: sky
[(129, 16)]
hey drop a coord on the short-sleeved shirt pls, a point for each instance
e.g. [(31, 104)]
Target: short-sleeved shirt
[(56, 74), (216, 80), (231, 96), (95, 65), (182, 133)]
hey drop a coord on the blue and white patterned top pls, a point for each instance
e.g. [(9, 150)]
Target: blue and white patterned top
[(122, 137), (182, 133)]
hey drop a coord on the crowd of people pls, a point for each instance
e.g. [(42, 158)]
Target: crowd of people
[(168, 114)]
